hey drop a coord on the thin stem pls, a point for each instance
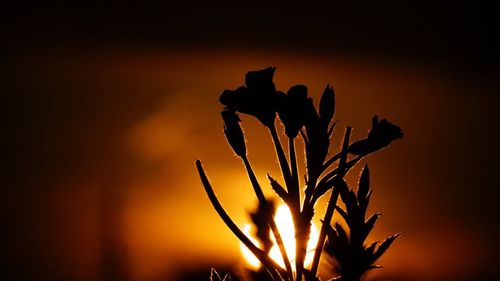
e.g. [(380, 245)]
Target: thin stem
[(285, 169), (331, 204), (295, 175), (295, 199), (273, 268), (302, 233), (269, 215), (322, 235)]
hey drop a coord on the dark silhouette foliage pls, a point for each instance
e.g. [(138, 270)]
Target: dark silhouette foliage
[(260, 99)]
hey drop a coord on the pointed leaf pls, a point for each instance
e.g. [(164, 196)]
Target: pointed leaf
[(364, 184), (342, 233), (364, 204), (371, 249), (370, 222), (349, 199), (330, 130), (384, 246), (342, 213), (278, 188), (337, 244), (321, 189), (327, 105)]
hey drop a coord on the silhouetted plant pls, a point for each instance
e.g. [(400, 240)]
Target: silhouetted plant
[(296, 110), (348, 247)]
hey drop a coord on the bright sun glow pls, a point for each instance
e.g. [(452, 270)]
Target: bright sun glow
[(284, 221)]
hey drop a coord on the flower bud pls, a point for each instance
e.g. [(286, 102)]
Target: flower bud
[(380, 136), (233, 132), (327, 105)]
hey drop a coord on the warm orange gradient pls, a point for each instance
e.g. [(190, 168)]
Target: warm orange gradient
[(118, 195)]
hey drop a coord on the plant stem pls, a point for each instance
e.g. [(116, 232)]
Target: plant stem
[(295, 175), (285, 169), (331, 204), (300, 242), (273, 268), (302, 232), (269, 215)]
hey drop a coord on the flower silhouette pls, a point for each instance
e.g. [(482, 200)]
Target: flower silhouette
[(293, 110), (381, 135), (258, 97)]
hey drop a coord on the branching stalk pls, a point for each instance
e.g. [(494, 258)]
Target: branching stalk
[(331, 204), (330, 178)]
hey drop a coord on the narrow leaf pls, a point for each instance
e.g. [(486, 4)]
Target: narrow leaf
[(330, 130), (321, 189), (384, 246), (371, 249), (364, 184), (278, 188), (342, 213), (370, 222), (327, 105), (342, 233), (349, 199)]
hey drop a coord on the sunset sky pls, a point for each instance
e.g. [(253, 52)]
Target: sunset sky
[(105, 108)]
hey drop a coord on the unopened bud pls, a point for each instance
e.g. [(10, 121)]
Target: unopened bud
[(233, 132)]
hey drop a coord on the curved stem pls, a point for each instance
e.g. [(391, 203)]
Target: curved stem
[(273, 268), (331, 204), (269, 215)]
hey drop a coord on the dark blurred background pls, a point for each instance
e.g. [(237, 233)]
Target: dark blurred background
[(105, 107)]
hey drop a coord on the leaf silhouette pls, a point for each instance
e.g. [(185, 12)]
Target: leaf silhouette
[(278, 188), (364, 184), (327, 105), (384, 246)]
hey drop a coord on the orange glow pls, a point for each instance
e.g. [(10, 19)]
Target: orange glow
[(284, 221), (129, 159)]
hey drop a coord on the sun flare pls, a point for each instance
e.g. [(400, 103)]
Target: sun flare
[(284, 221)]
